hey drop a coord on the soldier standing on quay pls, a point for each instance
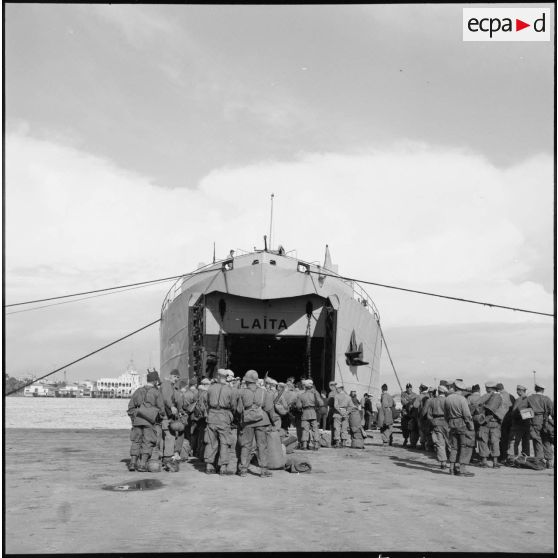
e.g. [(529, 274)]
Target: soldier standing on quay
[(461, 431), (170, 393), (221, 401), (407, 398), (488, 434), (542, 426), (145, 434), (255, 405), (308, 401), (440, 429), (519, 432), (385, 416)]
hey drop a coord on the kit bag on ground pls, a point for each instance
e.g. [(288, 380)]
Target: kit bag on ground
[(296, 464), (254, 413), (324, 442), (275, 455)]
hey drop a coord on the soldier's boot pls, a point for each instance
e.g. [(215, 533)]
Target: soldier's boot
[(165, 463), (142, 465), (308, 446), (173, 465), (483, 463), (443, 465), (316, 446), (242, 473), (463, 472), (550, 463), (209, 469), (391, 440), (133, 463), (405, 442), (452, 468), (223, 471), (302, 446), (495, 463), (264, 472), (336, 444)]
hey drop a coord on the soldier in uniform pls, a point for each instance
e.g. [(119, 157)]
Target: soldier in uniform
[(519, 432), (407, 398), (307, 403), (423, 424), (199, 417), (331, 411), (221, 401), (255, 405), (385, 416), (368, 411), (342, 404), (488, 434), (461, 431), (542, 425), (439, 425), (145, 434), (507, 403), (171, 395)]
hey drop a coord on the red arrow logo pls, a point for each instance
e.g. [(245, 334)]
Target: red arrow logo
[(519, 25)]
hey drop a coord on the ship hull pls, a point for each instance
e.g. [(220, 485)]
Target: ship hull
[(276, 315)]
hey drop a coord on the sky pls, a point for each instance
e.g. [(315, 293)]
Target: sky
[(138, 135)]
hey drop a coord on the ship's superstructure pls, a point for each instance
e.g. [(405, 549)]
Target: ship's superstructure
[(275, 314)]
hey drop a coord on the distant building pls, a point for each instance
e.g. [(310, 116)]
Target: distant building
[(122, 386)]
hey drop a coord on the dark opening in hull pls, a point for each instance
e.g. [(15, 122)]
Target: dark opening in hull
[(281, 357)]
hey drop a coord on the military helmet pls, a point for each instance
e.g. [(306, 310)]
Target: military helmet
[(177, 426), (251, 376), (154, 466)]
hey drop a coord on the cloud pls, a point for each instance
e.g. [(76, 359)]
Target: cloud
[(415, 216)]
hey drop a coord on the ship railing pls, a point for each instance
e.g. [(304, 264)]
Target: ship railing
[(360, 295)]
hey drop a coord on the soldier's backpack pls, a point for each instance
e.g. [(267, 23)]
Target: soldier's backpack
[(280, 406), (254, 413)]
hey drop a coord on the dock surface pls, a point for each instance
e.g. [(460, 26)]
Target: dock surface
[(385, 499)]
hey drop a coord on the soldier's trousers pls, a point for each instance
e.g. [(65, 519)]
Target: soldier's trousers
[(488, 438), (246, 441), (413, 431), (542, 443), (440, 438), (340, 429), (197, 438), (218, 441), (310, 431), (387, 432), (144, 440), (169, 440), (505, 432), (405, 427), (519, 434), (462, 442)]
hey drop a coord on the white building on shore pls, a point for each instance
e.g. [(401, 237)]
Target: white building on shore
[(122, 386)]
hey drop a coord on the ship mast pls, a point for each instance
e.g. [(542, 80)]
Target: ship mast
[(271, 221)]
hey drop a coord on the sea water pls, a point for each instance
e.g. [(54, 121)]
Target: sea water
[(65, 412)]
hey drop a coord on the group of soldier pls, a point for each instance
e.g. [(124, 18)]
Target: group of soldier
[(228, 412), (459, 424), (229, 415)]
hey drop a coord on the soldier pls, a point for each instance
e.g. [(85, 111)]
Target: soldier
[(307, 402), (423, 424), (342, 403), (221, 401), (331, 411), (281, 404), (542, 425), (519, 432), (407, 398), (439, 425), (199, 416), (507, 403), (488, 434), (385, 416), (256, 408), (368, 411), (170, 392), (144, 435), (182, 417), (189, 399), (461, 431)]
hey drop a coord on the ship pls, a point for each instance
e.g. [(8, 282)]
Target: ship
[(272, 312)]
